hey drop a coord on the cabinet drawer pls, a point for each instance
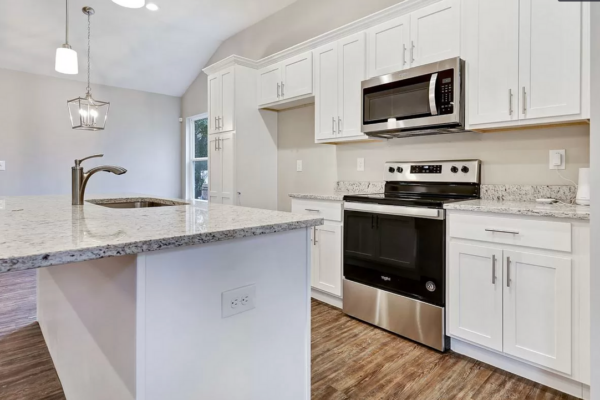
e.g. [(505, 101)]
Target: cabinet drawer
[(330, 210), (519, 232)]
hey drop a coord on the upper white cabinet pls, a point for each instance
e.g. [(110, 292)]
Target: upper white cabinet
[(424, 36), (524, 62), (339, 70), (221, 94), (286, 80)]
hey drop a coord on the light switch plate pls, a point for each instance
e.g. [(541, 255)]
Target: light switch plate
[(360, 164), (299, 166), (2, 165), (238, 300), (557, 159)]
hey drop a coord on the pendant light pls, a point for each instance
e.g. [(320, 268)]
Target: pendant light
[(130, 3), (66, 57), (87, 113)]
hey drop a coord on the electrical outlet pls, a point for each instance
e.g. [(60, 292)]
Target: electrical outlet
[(237, 300), (557, 159), (2, 165), (360, 164), (299, 166)]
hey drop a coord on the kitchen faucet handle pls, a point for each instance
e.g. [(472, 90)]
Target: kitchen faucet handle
[(78, 162)]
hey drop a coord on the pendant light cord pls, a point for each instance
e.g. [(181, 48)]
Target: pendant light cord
[(89, 49), (67, 27)]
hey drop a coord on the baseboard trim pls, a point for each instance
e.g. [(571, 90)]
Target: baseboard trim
[(516, 367), (326, 298)]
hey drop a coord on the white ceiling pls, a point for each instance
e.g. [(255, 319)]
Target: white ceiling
[(160, 52)]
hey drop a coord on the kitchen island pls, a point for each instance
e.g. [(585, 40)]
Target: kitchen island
[(142, 303)]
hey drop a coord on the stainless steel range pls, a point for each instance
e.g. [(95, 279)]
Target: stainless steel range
[(395, 247)]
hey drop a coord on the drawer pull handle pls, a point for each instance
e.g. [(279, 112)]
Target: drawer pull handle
[(493, 269), (499, 231), (312, 210)]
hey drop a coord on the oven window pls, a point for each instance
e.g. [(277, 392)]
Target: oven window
[(404, 99)]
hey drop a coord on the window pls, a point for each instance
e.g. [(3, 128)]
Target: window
[(197, 172)]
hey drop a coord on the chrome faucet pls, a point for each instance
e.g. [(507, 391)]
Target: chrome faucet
[(79, 179)]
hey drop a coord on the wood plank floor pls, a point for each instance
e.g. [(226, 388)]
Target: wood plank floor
[(350, 360)]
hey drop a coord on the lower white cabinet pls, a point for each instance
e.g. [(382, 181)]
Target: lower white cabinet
[(326, 244), (517, 296), (221, 159)]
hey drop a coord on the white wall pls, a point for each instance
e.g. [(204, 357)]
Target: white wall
[(39, 146)]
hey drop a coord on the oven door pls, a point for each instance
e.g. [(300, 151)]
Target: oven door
[(403, 254), (425, 96)]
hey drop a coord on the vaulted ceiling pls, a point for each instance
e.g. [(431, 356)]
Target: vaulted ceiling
[(161, 51)]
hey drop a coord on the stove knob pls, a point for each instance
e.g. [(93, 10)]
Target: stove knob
[(399, 170), (464, 169), (392, 170), (454, 169)]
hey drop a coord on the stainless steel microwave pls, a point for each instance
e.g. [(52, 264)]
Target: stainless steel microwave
[(425, 100)]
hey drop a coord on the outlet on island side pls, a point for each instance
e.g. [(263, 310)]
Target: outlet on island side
[(360, 164), (238, 300)]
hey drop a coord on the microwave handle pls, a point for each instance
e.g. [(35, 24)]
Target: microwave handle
[(432, 84)]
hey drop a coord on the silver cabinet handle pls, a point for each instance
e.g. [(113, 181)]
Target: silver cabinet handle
[(220, 147), (333, 125), (493, 269), (403, 54), (524, 100), (216, 123), (220, 122), (510, 97), (315, 236), (278, 89), (312, 210), (508, 272), (412, 51), (282, 86), (339, 125), (216, 145), (499, 231)]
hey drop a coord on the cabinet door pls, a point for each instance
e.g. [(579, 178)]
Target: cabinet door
[(388, 46), (537, 309), (227, 121), (226, 150), (351, 72), (269, 84), (435, 32), (475, 294), (215, 171), (297, 76), (492, 54), (214, 102), (550, 58), (326, 91), (326, 259)]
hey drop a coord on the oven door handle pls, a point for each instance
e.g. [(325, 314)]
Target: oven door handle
[(432, 84), (432, 213)]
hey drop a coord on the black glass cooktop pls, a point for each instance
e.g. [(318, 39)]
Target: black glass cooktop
[(406, 200)]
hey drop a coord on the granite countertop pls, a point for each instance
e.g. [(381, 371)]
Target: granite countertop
[(334, 196), (40, 231), (556, 210)]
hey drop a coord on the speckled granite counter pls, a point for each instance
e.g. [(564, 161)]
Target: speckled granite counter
[(335, 196), (40, 231), (522, 208)]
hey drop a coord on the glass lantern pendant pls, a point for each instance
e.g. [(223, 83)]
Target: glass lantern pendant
[(87, 113)]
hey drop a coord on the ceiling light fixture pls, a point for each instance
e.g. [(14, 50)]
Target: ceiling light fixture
[(152, 7), (66, 57), (86, 113), (130, 3)]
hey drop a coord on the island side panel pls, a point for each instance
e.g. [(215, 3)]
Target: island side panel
[(87, 315), (191, 352)]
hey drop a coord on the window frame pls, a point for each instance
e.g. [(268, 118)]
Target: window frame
[(191, 158)]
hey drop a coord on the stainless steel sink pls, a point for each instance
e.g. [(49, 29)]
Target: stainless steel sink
[(135, 204)]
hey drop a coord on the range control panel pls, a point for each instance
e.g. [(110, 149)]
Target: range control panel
[(459, 171)]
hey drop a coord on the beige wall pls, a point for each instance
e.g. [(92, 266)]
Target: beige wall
[(39, 146)]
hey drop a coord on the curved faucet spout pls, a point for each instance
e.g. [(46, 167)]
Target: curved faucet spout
[(80, 179), (106, 168)]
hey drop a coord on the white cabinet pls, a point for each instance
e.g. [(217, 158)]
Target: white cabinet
[(286, 80), (475, 307), (326, 259), (524, 62), (537, 309), (326, 244), (221, 94), (339, 70), (221, 167), (424, 36)]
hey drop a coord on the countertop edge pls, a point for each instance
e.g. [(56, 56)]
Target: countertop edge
[(310, 196), (528, 211), (42, 260)]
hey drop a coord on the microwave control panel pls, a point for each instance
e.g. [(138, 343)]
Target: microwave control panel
[(445, 91)]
